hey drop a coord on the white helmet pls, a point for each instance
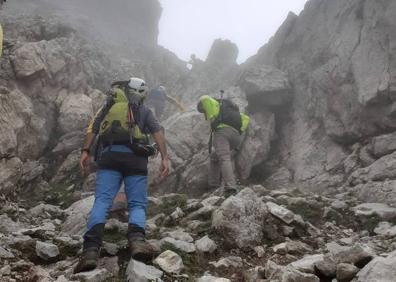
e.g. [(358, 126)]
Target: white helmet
[(137, 87)]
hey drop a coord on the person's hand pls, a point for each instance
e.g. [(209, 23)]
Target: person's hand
[(84, 160), (164, 168)]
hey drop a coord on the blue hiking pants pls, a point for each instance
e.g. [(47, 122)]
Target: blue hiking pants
[(108, 183)]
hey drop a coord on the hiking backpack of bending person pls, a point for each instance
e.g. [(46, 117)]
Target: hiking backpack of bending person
[(120, 124), (229, 114)]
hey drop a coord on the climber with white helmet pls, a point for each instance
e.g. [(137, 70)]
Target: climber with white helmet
[(121, 128)]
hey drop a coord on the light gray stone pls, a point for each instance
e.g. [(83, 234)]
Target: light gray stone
[(240, 219), (346, 272), (307, 263), (77, 216), (97, 275), (379, 270), (231, 261), (205, 245), (169, 262), (280, 212), (385, 229), (47, 251), (210, 278), (381, 210), (178, 244), (179, 235), (140, 272)]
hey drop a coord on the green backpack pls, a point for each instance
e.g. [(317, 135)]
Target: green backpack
[(118, 126)]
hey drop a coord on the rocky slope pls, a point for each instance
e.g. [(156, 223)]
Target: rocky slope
[(320, 97), (257, 235)]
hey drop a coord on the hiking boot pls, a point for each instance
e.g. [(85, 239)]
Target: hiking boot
[(88, 260), (141, 250)]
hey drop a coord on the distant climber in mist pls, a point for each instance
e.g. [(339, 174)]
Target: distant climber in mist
[(227, 127), (156, 101)]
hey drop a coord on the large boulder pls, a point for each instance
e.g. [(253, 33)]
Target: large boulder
[(240, 219), (75, 113), (379, 269), (23, 131), (257, 144), (77, 216), (265, 86)]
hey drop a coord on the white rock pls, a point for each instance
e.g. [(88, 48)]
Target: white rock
[(177, 214), (280, 212), (231, 261), (368, 209), (46, 251), (179, 235), (180, 245), (385, 229), (96, 275), (206, 245), (307, 263), (170, 262), (140, 272), (209, 278)]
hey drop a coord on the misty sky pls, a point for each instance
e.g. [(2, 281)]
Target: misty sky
[(190, 26)]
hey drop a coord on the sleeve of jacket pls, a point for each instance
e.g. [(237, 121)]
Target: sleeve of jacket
[(245, 122)]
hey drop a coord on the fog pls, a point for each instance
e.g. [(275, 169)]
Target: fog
[(188, 27), (185, 26)]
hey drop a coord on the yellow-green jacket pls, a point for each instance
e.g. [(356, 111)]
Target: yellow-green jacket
[(211, 108)]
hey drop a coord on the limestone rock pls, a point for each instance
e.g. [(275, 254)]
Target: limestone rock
[(139, 272), (231, 261), (293, 275), (383, 144), (47, 251), (385, 229), (179, 235), (357, 254), (97, 275), (307, 263), (75, 113), (180, 245), (240, 219), (381, 210), (280, 212), (209, 278), (170, 262), (223, 53), (379, 269), (346, 272), (257, 144), (265, 86), (77, 216), (205, 245)]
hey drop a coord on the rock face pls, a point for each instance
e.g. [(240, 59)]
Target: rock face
[(52, 80), (343, 84)]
